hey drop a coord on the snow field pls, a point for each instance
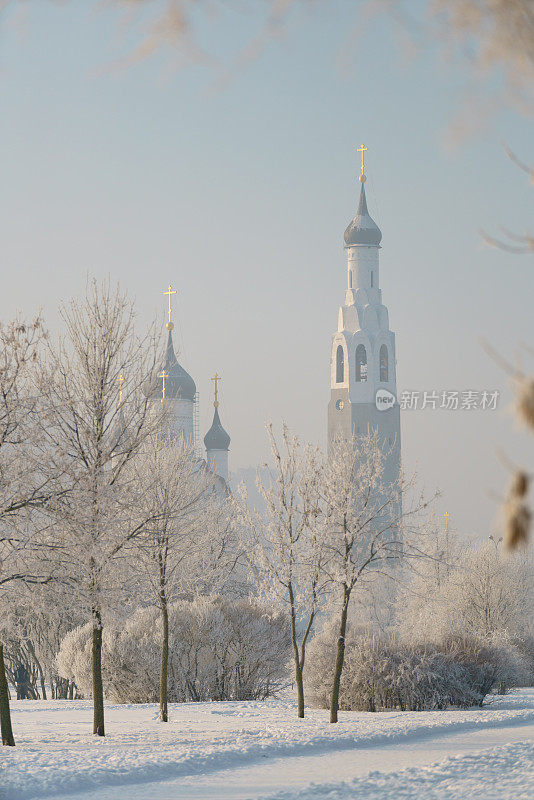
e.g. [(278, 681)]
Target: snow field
[(501, 773), (56, 753)]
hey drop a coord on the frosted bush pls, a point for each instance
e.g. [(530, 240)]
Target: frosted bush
[(383, 673), (218, 650)]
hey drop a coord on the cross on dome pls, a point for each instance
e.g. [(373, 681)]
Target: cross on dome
[(362, 230), (170, 291), (361, 149), (120, 381), (216, 378), (163, 375)]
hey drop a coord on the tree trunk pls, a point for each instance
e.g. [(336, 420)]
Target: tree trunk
[(163, 675), (39, 669), (338, 669), (300, 690), (43, 684), (5, 714), (98, 690), (296, 656)]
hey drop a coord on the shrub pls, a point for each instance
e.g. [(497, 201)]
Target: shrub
[(218, 650), (382, 673)]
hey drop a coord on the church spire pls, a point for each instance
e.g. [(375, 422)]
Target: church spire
[(178, 382), (216, 438), (217, 441), (362, 230), (362, 205), (174, 387)]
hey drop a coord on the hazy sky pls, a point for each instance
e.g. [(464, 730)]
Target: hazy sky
[(239, 191)]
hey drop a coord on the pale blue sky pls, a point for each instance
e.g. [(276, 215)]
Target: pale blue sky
[(239, 194)]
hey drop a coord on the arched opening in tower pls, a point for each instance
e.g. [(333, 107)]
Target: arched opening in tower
[(361, 364)]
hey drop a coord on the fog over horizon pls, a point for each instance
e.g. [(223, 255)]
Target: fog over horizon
[(238, 193)]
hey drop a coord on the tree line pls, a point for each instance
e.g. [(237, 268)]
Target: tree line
[(128, 569)]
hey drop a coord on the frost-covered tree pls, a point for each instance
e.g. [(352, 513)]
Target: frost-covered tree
[(172, 489), (283, 542), (35, 620), (489, 36), (425, 581), (98, 361), (485, 596), (24, 485), (364, 525)]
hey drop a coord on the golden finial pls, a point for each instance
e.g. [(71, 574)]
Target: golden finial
[(120, 381), (362, 150), (216, 378), (446, 515), (170, 291), (163, 375)]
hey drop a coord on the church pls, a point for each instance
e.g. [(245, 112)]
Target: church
[(176, 388), (363, 386)]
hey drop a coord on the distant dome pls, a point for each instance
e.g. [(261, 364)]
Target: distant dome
[(216, 438), (363, 229), (178, 383)]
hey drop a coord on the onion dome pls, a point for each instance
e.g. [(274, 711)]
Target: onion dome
[(363, 229), (179, 384), (216, 438)]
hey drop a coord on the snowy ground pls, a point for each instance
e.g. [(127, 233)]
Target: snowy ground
[(236, 751)]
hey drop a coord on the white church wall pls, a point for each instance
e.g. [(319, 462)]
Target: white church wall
[(180, 417), (218, 462), (184, 418), (364, 265)]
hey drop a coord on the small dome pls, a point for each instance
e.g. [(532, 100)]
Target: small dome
[(216, 438), (363, 229), (178, 383)]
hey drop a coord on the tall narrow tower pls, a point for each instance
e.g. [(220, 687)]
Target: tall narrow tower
[(362, 368)]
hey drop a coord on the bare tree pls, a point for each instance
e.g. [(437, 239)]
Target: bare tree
[(484, 596), (364, 517), (283, 545), (96, 384), (36, 617), (23, 484), (497, 34), (174, 491), (487, 36)]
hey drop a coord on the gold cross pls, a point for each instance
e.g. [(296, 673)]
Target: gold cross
[(120, 381), (163, 375), (446, 515), (170, 291), (362, 150), (216, 378)]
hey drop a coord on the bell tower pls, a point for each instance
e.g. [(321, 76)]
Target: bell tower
[(363, 396)]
